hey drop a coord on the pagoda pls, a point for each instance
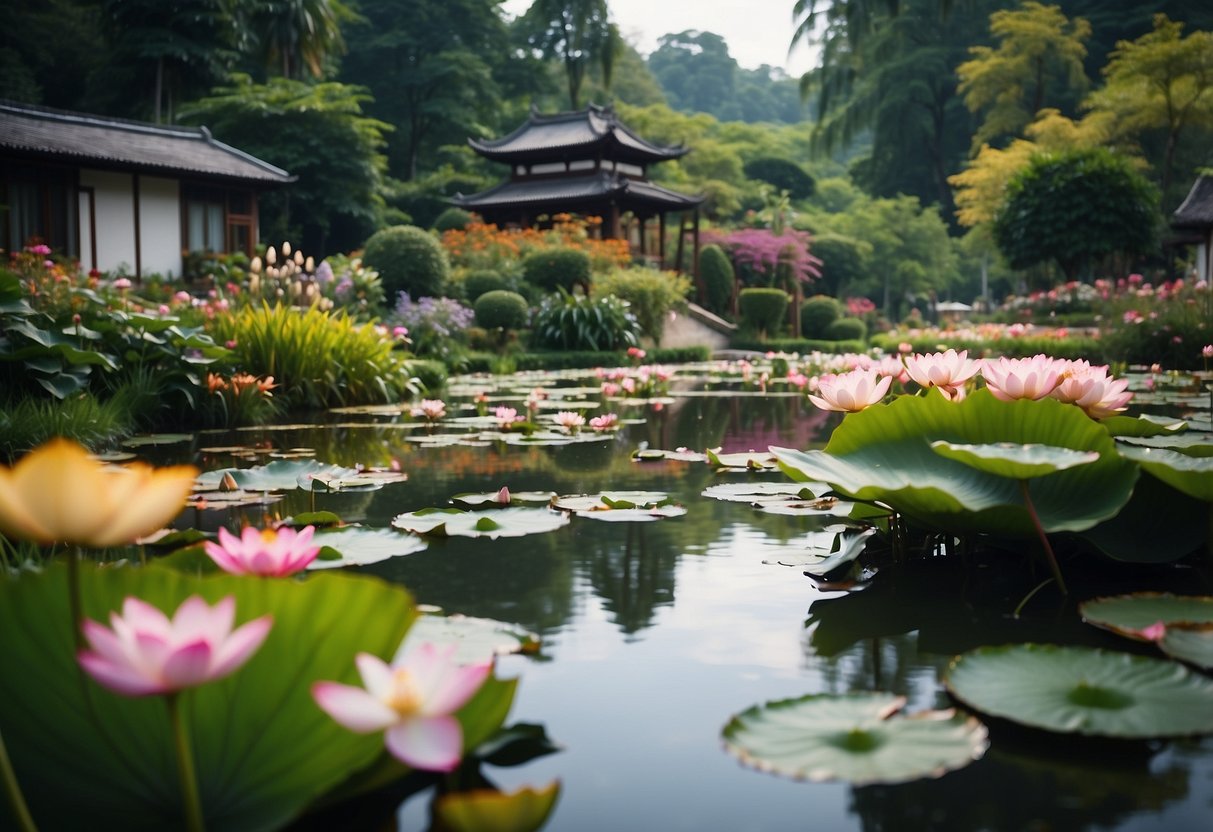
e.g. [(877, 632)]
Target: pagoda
[(583, 162)]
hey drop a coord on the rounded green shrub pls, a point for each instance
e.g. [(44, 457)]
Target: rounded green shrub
[(558, 268), (763, 310), (816, 315), (578, 322), (408, 259), (651, 294), (716, 272), (452, 218), (479, 282), (501, 309), (846, 329)]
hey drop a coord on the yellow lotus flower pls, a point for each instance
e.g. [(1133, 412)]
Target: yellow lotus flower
[(58, 493)]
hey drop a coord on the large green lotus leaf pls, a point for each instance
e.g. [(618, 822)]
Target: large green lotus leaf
[(359, 546), (264, 750), (1192, 475), (1080, 690), (478, 639), (884, 454), (1127, 615), (1158, 525), (850, 546), (486, 810), (497, 522), (1196, 443), (1190, 643), (1143, 426), (1019, 462), (856, 738)]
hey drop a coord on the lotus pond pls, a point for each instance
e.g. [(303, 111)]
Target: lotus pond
[(720, 641)]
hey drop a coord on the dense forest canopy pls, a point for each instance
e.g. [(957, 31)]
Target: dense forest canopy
[(917, 108)]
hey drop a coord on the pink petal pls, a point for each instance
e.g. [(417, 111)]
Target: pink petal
[(223, 559), (105, 642), (118, 678), (432, 743), (376, 675), (240, 645), (456, 688), (353, 708), (188, 666), (140, 615), (196, 619)]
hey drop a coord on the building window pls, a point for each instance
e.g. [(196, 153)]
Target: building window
[(218, 219), (38, 203)]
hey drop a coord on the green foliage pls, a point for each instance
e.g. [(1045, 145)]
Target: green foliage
[(579, 322), (480, 281), (501, 309), (650, 293), (716, 272), (1072, 347), (453, 217), (846, 329), (580, 360), (578, 33), (816, 315), (27, 422), (431, 374), (783, 174), (802, 346), (842, 262), (318, 359), (1148, 329), (1075, 208), (351, 285), (408, 259), (557, 268), (763, 310)]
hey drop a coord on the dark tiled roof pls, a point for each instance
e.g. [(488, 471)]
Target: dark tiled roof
[(580, 132), (1197, 209), (562, 191), (130, 145)]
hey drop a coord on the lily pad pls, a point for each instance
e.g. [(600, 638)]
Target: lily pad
[(498, 522), (1128, 615), (857, 738), (479, 639), (751, 461), (621, 506), (679, 454), (1020, 462), (1193, 443), (230, 499), (492, 498), (850, 546), (1192, 475), (761, 492), (280, 475), (1079, 690), (1143, 425), (359, 546), (157, 439), (486, 810), (823, 507), (1191, 643)]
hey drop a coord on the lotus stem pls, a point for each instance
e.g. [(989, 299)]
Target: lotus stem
[(1029, 597), (74, 598), (12, 790), (1044, 538), (185, 766)]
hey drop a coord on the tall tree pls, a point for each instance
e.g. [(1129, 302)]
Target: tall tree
[(1038, 63), (578, 33), (1161, 81), (293, 36)]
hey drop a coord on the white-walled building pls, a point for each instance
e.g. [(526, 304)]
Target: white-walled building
[(122, 194), (1193, 221)]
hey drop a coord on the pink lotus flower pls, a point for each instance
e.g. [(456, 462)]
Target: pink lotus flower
[(1091, 389), (948, 371), (607, 421), (1022, 378), (122, 283), (1207, 351), (268, 552), (506, 416), (570, 420), (503, 496), (412, 700), (850, 392), (610, 388), (431, 409), (146, 653), (1154, 632)]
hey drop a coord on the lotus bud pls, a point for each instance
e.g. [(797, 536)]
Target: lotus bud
[(255, 266), (309, 265), (228, 483), (286, 249), (254, 284), (271, 256), (298, 258), (296, 289)]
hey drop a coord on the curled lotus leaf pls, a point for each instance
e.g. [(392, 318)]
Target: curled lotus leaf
[(1191, 643), (1008, 459), (849, 547), (1129, 615), (487, 810), (514, 521), (1080, 690), (1193, 475), (884, 454), (1195, 443), (1145, 425), (478, 639), (858, 738)]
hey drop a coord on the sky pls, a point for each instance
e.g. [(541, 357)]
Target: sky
[(757, 31)]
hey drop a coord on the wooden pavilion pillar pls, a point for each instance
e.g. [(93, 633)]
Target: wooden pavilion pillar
[(644, 224), (613, 231), (661, 239)]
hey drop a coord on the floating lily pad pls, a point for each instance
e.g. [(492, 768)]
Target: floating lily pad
[(857, 738), (498, 522), (1128, 615), (621, 506), (372, 409), (486, 810), (850, 546), (113, 456), (1193, 443), (1009, 459), (479, 639), (752, 461), (1191, 643), (679, 454), (359, 546), (1192, 475), (492, 498), (1084, 691), (359, 480), (230, 499), (761, 492), (280, 475), (157, 439), (823, 507)]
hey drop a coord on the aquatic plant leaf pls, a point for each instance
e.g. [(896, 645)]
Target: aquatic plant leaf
[(1143, 425), (679, 454), (850, 546), (1193, 443), (153, 440), (263, 750), (884, 454), (858, 738), (1191, 643), (1008, 459), (514, 521), (359, 545), (621, 506), (490, 498), (760, 492), (825, 507), (1192, 475), (1128, 615), (1158, 525), (486, 810), (479, 639), (230, 499), (1080, 690), (279, 475), (752, 461)]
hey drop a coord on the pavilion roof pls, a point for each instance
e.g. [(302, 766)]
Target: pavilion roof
[(562, 192), (1196, 212), (584, 133)]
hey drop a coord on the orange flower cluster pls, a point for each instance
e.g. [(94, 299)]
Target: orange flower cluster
[(240, 382), (485, 246)]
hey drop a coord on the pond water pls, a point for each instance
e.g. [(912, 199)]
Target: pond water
[(655, 634)]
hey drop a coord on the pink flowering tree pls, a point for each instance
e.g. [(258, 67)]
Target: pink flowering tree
[(764, 258)]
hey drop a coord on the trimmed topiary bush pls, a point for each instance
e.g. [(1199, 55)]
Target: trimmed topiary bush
[(501, 309), (558, 268), (816, 315), (716, 272), (763, 310), (408, 259), (479, 282), (452, 218), (846, 329)]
